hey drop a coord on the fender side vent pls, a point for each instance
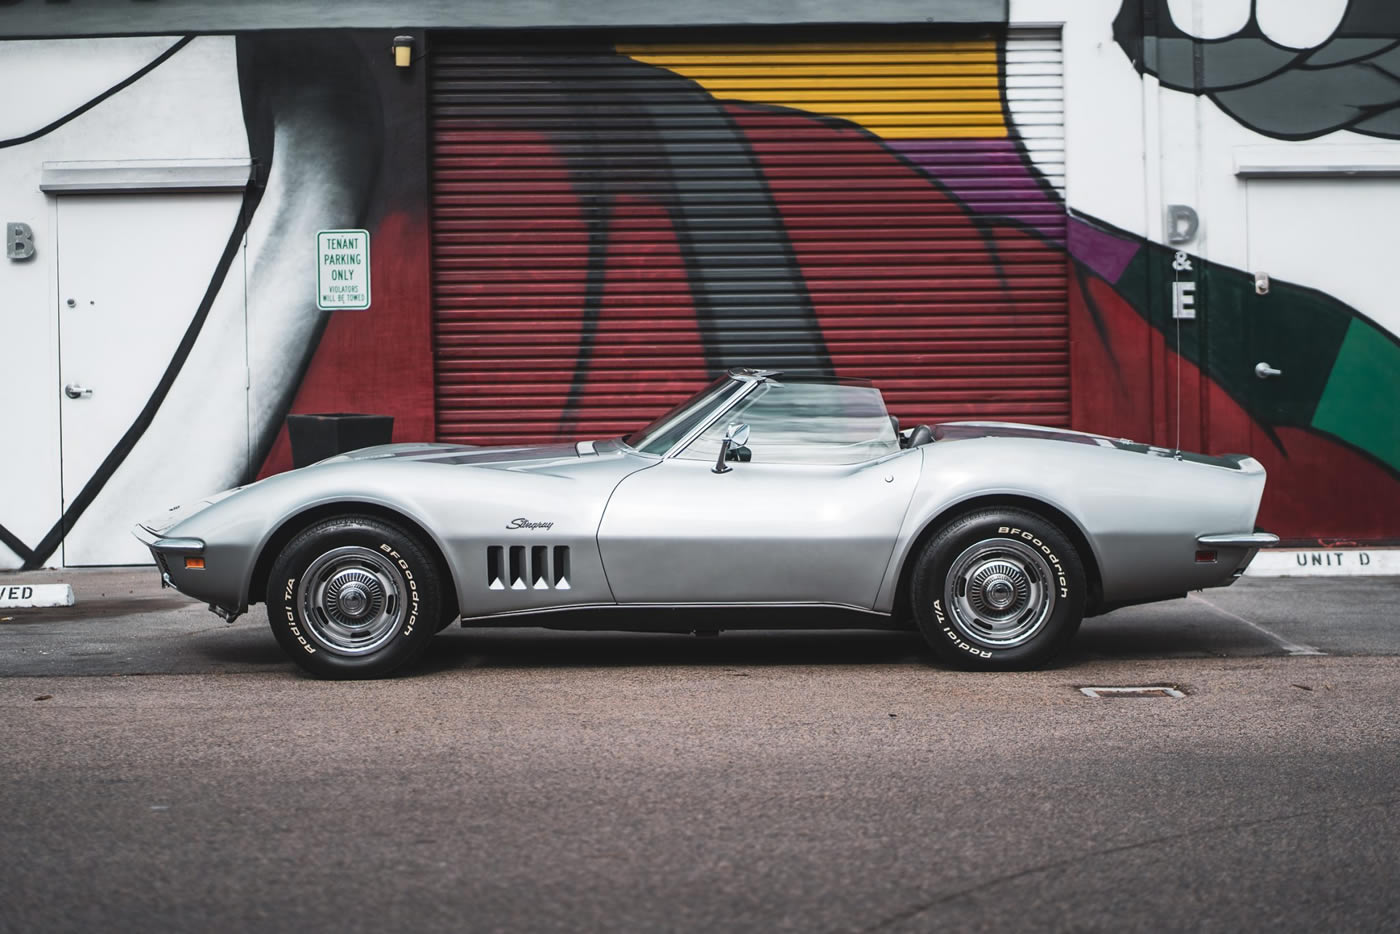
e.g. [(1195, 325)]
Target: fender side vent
[(539, 567), (562, 570), (527, 567), (495, 557)]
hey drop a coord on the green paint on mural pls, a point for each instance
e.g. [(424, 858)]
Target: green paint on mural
[(1361, 402), (1294, 329)]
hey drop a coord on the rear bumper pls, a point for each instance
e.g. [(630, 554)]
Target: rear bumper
[(1236, 549), (1237, 540)]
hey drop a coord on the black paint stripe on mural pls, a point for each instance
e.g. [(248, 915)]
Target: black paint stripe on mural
[(591, 181), (118, 454), (704, 250), (12, 542), (820, 356), (1096, 315), (84, 108), (595, 278)]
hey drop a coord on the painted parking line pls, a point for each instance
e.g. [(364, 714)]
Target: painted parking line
[(1290, 648)]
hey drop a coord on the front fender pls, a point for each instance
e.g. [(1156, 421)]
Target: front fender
[(237, 528)]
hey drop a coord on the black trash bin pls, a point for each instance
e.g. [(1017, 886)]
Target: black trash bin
[(317, 437)]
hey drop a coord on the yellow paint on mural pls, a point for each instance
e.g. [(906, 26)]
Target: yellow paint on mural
[(772, 48), (895, 90), (882, 84)]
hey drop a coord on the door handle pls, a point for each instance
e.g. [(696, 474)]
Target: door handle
[(1264, 371), (74, 391)]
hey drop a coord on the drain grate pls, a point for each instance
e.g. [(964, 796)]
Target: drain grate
[(1149, 690)]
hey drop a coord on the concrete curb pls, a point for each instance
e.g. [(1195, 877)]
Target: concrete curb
[(1331, 562), (31, 595)]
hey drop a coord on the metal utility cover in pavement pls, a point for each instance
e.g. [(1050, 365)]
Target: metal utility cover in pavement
[(1155, 690)]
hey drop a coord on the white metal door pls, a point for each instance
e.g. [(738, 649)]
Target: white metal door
[(133, 270)]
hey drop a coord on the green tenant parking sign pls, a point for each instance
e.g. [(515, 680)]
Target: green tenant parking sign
[(342, 269)]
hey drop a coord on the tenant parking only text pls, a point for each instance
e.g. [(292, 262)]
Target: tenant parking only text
[(342, 269)]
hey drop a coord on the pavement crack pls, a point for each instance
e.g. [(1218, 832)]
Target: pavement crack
[(916, 910)]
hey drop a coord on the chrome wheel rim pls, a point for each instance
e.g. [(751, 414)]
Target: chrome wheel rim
[(999, 593), (351, 600)]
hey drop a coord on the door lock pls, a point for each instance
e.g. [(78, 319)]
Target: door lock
[(74, 391), (1264, 371)]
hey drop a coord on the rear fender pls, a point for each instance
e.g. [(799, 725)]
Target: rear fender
[(1140, 514)]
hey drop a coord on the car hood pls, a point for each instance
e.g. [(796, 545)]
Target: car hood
[(466, 454), (528, 458)]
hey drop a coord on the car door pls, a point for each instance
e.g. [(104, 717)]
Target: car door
[(810, 518)]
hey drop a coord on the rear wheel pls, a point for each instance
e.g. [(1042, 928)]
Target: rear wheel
[(353, 597), (999, 589)]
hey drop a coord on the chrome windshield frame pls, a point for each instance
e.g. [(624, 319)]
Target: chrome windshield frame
[(746, 386), (746, 379)]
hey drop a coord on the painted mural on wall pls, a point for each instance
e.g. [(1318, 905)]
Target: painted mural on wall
[(798, 134), (1345, 79), (622, 221), (1289, 75), (844, 207)]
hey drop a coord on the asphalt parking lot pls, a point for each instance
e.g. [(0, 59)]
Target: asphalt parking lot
[(162, 770)]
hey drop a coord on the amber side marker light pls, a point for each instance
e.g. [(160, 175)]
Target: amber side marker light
[(1202, 557), (194, 563)]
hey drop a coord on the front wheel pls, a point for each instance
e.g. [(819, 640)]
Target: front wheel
[(999, 589), (353, 597)]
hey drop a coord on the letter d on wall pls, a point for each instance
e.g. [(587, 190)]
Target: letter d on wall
[(19, 240)]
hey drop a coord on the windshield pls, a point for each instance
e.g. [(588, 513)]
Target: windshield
[(661, 434), (806, 422)]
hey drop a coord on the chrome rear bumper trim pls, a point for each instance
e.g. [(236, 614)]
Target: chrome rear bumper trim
[(1239, 539)]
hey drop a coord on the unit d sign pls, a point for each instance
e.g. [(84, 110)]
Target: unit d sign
[(342, 269)]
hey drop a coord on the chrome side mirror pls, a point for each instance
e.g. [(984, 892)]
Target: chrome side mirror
[(735, 436)]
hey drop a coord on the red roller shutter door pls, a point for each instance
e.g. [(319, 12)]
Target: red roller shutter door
[(614, 223)]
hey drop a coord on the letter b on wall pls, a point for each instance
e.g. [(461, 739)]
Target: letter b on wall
[(19, 241)]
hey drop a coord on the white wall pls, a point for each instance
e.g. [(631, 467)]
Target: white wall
[(188, 107)]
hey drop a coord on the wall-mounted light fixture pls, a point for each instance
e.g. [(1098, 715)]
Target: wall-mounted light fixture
[(403, 51)]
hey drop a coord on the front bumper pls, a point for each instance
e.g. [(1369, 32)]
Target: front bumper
[(165, 549)]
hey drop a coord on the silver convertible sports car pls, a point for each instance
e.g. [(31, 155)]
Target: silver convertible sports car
[(762, 502)]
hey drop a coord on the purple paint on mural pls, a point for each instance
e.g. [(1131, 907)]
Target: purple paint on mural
[(1105, 253), (990, 176)]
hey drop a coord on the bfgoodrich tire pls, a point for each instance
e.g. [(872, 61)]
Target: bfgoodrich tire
[(998, 589), (354, 597)]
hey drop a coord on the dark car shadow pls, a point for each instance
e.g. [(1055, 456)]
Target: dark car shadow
[(1177, 630), (546, 648)]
